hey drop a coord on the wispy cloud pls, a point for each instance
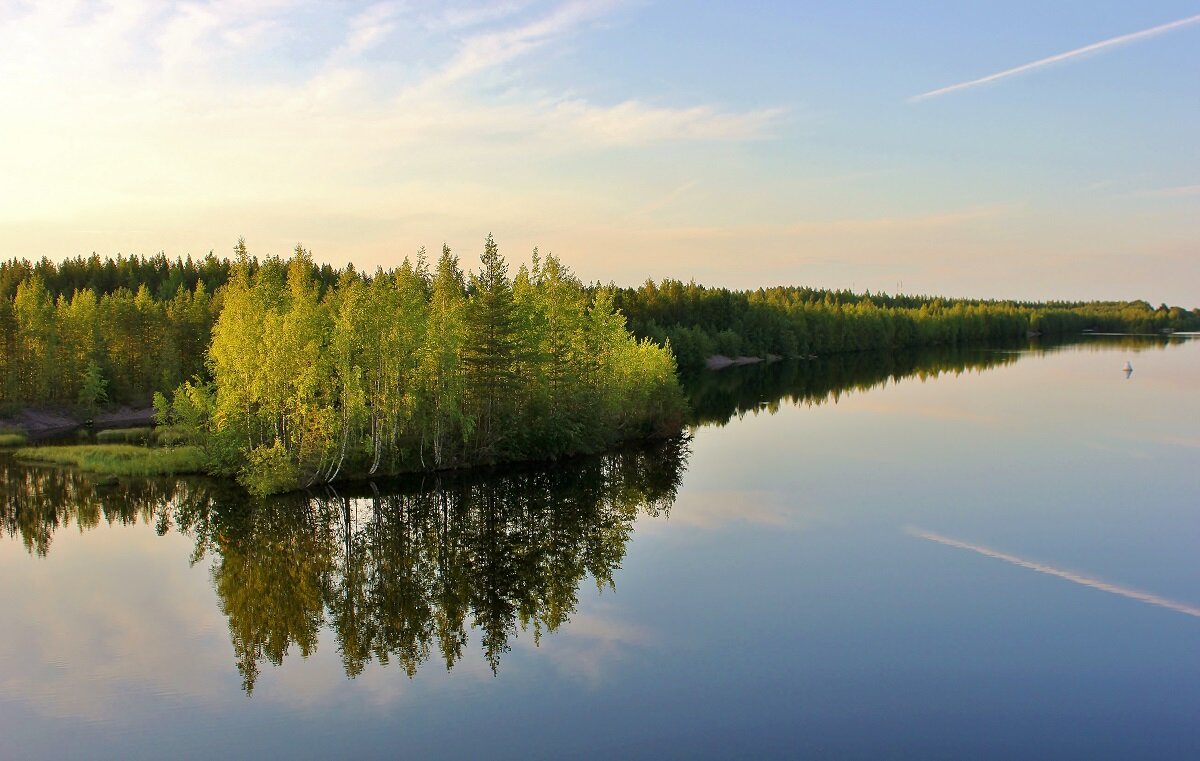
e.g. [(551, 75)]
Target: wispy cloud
[(1174, 192), (1077, 52), (280, 91), (462, 18), (491, 49), (635, 122), (370, 28)]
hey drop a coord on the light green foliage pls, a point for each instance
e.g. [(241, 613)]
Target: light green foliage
[(184, 419), (414, 370), (37, 340), (12, 439), (93, 390), (442, 381), (270, 470)]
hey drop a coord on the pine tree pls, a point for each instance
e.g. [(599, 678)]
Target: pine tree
[(490, 352)]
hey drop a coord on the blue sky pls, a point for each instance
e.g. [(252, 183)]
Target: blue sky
[(738, 144)]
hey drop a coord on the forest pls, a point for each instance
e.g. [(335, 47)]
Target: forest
[(92, 331), (798, 322), (288, 376), (288, 373)]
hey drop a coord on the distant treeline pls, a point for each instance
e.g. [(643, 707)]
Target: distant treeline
[(162, 277), (790, 322)]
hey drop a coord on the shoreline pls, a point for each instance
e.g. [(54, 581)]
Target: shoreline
[(42, 423), (721, 361)]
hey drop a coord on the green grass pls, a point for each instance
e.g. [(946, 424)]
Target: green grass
[(124, 436), (119, 459), (10, 439)]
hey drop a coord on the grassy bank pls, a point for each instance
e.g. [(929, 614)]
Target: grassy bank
[(119, 459), (124, 436), (11, 439)]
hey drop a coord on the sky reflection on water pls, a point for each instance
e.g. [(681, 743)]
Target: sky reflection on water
[(777, 608)]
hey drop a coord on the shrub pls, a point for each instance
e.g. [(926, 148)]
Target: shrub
[(12, 439), (270, 470)]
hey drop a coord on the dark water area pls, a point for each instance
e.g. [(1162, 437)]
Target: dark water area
[(979, 553)]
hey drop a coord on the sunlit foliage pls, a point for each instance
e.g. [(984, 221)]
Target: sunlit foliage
[(419, 369)]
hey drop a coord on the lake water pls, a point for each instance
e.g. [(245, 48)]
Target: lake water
[(973, 554)]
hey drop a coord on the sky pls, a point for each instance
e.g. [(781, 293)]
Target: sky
[(1025, 150)]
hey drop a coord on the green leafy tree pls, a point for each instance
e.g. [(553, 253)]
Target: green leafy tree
[(93, 389)]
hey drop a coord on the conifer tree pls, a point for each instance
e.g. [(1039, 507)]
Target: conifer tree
[(491, 350)]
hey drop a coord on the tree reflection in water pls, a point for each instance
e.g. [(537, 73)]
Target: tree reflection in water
[(397, 571), (400, 570)]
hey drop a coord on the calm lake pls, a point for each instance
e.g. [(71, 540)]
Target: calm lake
[(952, 554)]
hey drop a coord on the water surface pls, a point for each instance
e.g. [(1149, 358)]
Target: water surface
[(940, 555)]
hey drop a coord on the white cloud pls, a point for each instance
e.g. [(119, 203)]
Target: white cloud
[(214, 94), (148, 126)]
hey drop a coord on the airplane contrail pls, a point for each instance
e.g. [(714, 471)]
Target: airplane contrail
[(1131, 37), (1087, 581)]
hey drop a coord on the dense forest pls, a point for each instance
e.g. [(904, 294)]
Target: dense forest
[(290, 373), (93, 331), (791, 322), (290, 376), (397, 575)]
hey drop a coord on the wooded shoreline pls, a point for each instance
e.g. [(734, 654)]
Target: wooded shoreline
[(287, 373)]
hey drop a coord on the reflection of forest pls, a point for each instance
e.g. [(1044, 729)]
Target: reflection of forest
[(399, 571), (717, 397), (393, 572)]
